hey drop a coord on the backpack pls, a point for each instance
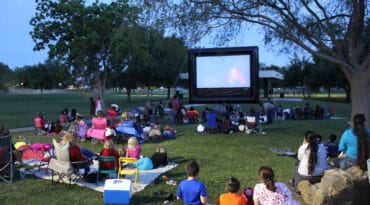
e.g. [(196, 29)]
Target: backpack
[(248, 193)]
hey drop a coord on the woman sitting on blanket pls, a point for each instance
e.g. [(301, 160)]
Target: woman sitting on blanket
[(158, 159)]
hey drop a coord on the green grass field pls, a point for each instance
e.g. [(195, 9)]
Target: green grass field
[(219, 155)]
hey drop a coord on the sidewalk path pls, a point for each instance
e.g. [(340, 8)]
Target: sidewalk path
[(22, 129)]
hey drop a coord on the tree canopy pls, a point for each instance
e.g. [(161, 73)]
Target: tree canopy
[(80, 35), (331, 30)]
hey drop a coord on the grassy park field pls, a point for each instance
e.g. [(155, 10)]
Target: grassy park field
[(219, 155)]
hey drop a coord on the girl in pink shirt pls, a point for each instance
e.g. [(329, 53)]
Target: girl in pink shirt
[(133, 148)]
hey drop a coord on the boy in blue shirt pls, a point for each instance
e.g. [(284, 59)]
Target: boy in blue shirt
[(191, 190)]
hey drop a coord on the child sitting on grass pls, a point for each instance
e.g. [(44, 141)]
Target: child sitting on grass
[(232, 197), (332, 146), (191, 190)]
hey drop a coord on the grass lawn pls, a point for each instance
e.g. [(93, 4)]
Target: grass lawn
[(219, 155)]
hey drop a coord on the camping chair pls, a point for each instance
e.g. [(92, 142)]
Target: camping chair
[(63, 167), (106, 159), (6, 159), (82, 130), (211, 124), (253, 125), (126, 168), (98, 128), (192, 116)]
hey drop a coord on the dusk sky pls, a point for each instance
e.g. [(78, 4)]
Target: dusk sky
[(16, 45)]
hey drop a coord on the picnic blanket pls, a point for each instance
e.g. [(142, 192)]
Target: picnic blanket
[(146, 176), (284, 151)]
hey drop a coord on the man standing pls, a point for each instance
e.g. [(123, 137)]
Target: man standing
[(269, 110)]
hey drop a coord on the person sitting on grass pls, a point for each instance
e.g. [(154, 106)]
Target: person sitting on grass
[(354, 145), (158, 159), (269, 191), (312, 161), (232, 197), (169, 132), (191, 190), (332, 146)]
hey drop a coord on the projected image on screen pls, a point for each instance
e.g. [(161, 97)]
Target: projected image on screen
[(229, 71)]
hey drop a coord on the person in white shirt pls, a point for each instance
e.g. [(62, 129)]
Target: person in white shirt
[(312, 161)]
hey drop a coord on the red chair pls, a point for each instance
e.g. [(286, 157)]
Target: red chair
[(192, 116)]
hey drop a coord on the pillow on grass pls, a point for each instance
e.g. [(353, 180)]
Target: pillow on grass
[(61, 150)]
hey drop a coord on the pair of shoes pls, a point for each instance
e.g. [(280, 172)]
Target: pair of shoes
[(171, 182), (168, 199)]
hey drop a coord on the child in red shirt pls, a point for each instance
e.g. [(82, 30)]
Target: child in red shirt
[(108, 150)]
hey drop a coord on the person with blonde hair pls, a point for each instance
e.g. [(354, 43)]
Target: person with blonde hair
[(20, 142), (75, 152), (133, 148), (108, 150)]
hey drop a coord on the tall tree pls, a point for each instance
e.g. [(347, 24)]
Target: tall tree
[(330, 76), (131, 58), (80, 35), (171, 56), (323, 28), (6, 77)]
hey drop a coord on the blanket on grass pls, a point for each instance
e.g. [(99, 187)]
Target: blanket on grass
[(284, 151), (146, 177)]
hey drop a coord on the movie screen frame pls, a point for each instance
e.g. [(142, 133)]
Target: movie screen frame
[(236, 81)]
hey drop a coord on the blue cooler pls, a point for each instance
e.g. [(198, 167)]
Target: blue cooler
[(117, 191)]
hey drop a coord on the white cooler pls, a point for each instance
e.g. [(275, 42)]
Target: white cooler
[(117, 191)]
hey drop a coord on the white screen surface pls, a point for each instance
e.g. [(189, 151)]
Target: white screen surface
[(229, 71)]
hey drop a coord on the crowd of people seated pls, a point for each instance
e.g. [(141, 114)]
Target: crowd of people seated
[(313, 154), (306, 112)]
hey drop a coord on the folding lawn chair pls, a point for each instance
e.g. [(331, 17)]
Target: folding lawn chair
[(126, 168), (6, 159), (66, 170), (253, 125), (102, 170)]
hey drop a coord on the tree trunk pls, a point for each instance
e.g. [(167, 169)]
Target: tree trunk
[(348, 94), (101, 90), (168, 92), (128, 94), (360, 92)]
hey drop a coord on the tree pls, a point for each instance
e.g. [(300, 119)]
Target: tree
[(131, 58), (6, 77), (331, 30), (330, 76), (171, 56), (80, 35)]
